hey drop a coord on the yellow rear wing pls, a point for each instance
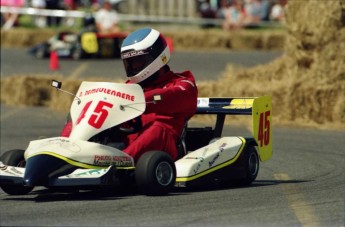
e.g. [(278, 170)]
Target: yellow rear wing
[(260, 108)]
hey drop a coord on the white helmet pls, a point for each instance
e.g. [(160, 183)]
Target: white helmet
[(143, 53)]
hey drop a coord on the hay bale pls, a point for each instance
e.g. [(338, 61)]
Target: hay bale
[(22, 37), (307, 85), (246, 41), (218, 39), (195, 39), (26, 90), (61, 101)]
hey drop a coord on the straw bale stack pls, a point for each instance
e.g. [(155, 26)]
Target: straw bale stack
[(307, 84), (23, 37), (29, 90), (26, 90)]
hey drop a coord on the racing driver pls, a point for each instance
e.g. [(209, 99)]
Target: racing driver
[(145, 55)]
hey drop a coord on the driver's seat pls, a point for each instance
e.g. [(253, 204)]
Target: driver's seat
[(181, 143)]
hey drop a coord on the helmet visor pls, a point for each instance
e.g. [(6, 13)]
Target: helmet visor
[(138, 62)]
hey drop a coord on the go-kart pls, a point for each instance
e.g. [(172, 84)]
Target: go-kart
[(92, 157), (77, 46)]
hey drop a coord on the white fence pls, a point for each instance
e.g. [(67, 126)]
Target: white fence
[(175, 17), (170, 8)]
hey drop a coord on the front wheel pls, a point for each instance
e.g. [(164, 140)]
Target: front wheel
[(155, 173), (15, 158)]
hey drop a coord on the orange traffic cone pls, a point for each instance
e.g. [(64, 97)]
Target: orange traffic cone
[(54, 61), (170, 44)]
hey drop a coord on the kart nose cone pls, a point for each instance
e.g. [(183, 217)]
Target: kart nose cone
[(40, 167)]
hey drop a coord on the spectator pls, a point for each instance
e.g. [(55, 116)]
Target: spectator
[(53, 5), (89, 24), (206, 9), (253, 10), (233, 16), (70, 5), (277, 11), (265, 10), (11, 19), (107, 19), (40, 21), (223, 6)]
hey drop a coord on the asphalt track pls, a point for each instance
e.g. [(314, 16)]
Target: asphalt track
[(302, 185), (204, 65)]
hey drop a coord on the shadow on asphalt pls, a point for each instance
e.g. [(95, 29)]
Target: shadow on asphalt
[(51, 195)]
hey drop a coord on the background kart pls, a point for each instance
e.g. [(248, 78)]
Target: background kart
[(84, 45), (92, 156)]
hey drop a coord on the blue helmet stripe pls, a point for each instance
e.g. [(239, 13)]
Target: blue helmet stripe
[(136, 37)]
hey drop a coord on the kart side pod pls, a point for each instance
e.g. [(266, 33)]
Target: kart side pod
[(260, 108), (232, 157)]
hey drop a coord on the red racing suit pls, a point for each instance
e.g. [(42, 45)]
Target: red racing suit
[(162, 121)]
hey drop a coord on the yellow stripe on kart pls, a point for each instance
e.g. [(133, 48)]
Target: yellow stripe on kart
[(240, 103), (220, 166), (75, 163)]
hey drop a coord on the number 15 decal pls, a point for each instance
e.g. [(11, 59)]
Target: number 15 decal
[(99, 114), (264, 128)]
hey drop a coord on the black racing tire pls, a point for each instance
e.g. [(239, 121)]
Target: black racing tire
[(78, 54), (15, 158), (155, 173), (251, 165), (41, 52)]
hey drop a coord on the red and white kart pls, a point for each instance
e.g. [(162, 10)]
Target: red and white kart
[(92, 156)]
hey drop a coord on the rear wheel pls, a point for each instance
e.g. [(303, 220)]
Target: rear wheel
[(41, 52), (77, 53), (15, 158), (155, 173), (251, 166)]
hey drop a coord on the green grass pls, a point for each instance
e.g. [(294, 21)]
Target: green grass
[(27, 21)]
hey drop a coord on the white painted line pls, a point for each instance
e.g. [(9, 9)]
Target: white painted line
[(78, 71)]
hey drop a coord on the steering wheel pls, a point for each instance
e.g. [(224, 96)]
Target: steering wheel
[(131, 126)]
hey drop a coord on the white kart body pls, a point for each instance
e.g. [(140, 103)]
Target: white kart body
[(80, 153), (222, 151), (99, 106), (102, 106)]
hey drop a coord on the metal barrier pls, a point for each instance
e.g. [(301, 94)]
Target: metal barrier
[(122, 17)]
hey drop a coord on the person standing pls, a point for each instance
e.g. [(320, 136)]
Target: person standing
[(107, 19)]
